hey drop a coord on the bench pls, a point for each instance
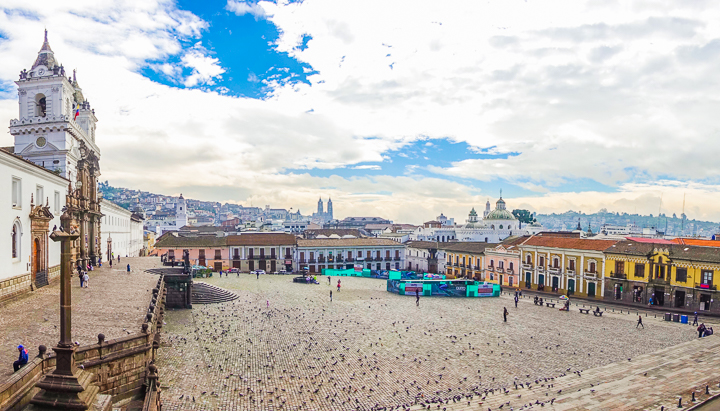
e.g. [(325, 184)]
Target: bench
[(584, 310), (551, 305), (598, 313)]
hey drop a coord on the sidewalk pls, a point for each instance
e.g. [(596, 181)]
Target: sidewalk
[(113, 304)]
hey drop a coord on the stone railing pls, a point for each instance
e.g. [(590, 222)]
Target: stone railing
[(121, 365)]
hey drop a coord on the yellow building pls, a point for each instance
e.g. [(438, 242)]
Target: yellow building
[(465, 259), (663, 274), (564, 264)]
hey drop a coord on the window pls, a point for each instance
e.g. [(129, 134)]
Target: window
[(528, 259), (16, 192), (639, 270), (511, 266), (556, 262), (707, 277), (40, 105), (15, 236), (39, 195), (681, 275), (571, 265), (56, 202), (592, 266), (619, 267), (218, 255), (542, 262), (501, 264)]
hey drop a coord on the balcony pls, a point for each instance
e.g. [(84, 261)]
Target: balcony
[(554, 270), (541, 269), (321, 259), (263, 256), (462, 265), (510, 271), (302, 262), (570, 273), (478, 268), (253, 257), (527, 266), (312, 261), (396, 258), (706, 287), (456, 265), (621, 276), (491, 268), (350, 259), (288, 257), (590, 274), (236, 256)]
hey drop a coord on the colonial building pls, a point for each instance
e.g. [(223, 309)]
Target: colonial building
[(262, 251), (33, 200), (122, 233), (424, 257), (564, 263), (678, 276), (341, 253), (502, 262), (466, 260)]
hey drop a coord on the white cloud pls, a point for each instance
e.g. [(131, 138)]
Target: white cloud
[(368, 167), (243, 7), (608, 91)]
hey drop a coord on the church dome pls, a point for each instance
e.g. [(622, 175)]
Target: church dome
[(500, 214)]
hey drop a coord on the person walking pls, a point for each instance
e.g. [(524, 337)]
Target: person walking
[(338, 286), (111, 260), (86, 279), (128, 268), (695, 322), (639, 322), (329, 281), (516, 299), (257, 275), (330, 295), (80, 275), (118, 258), (505, 314), (417, 298), (268, 303)]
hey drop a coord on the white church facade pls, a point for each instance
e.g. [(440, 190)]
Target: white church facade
[(54, 160)]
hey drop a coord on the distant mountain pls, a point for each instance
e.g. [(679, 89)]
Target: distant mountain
[(673, 224)]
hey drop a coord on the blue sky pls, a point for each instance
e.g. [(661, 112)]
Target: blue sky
[(563, 105)]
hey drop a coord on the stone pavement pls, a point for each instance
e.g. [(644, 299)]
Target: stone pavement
[(114, 304), (369, 348)]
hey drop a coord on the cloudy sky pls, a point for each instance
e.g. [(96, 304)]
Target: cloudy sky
[(402, 109)]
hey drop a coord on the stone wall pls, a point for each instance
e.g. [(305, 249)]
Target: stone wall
[(14, 287), (179, 290), (54, 274), (120, 365)]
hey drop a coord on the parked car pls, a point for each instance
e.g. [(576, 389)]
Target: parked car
[(282, 272), (234, 270), (259, 272)]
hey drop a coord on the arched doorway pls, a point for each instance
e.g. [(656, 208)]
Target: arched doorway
[(36, 252)]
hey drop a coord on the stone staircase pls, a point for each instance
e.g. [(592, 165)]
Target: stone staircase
[(203, 293), (650, 381)]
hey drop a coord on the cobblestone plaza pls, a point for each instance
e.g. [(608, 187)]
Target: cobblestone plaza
[(287, 346)]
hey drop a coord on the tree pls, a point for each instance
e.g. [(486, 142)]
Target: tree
[(523, 215)]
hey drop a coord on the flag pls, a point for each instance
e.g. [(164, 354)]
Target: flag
[(77, 111)]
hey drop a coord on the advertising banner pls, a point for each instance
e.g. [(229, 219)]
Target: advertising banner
[(358, 267), (410, 288)]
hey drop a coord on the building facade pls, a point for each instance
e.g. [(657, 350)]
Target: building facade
[(466, 260), (269, 252), (423, 256), (564, 264), (502, 263), (33, 198), (677, 276), (344, 253), (122, 233)]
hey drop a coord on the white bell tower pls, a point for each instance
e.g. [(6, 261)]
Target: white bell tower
[(181, 218), (48, 131)]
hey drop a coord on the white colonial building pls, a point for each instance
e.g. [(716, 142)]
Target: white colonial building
[(344, 253), (54, 160), (122, 232), (33, 198), (497, 225)]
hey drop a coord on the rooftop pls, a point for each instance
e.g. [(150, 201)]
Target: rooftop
[(348, 242)]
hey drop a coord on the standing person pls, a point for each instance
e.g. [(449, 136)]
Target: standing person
[(695, 319), (128, 268), (505, 314), (257, 275), (639, 322), (111, 260), (86, 279), (516, 299), (330, 295), (22, 358), (118, 258), (329, 282), (338, 285), (268, 303), (417, 298), (82, 278)]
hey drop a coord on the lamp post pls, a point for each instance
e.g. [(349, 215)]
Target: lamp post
[(62, 389)]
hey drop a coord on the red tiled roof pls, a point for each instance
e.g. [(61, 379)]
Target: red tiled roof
[(696, 241), (569, 243)]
